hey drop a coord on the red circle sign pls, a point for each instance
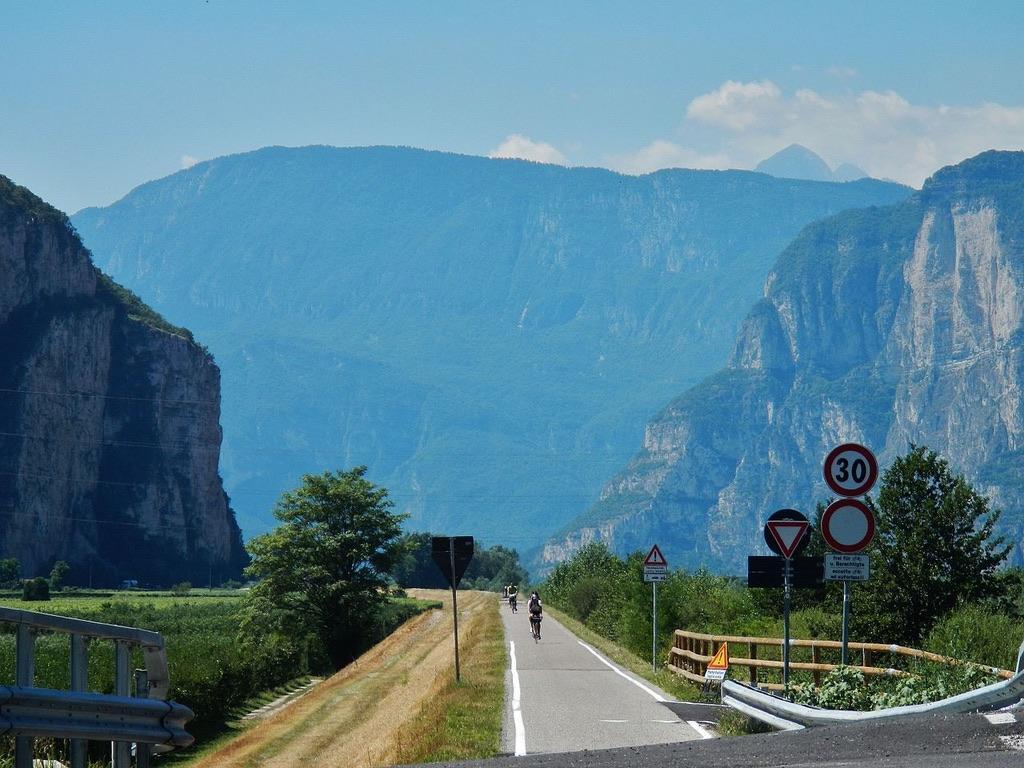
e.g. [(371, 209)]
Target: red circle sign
[(847, 526), (850, 470)]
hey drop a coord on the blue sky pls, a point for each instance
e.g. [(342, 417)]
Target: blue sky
[(99, 97)]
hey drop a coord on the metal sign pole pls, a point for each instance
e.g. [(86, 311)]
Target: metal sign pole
[(846, 622), (654, 628), (455, 608), (786, 574)]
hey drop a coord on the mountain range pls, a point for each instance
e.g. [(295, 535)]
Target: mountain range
[(798, 162), (885, 326), (488, 336)]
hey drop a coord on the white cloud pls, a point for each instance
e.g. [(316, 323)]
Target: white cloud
[(187, 161), (733, 105), (524, 148), (664, 154), (881, 131)]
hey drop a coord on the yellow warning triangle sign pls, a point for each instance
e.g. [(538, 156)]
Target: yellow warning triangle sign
[(721, 660)]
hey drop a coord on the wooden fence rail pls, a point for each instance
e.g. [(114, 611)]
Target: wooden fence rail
[(692, 652)]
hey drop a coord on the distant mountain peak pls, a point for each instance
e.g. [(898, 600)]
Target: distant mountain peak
[(798, 162)]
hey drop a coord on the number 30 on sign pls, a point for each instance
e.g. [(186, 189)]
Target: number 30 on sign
[(850, 470)]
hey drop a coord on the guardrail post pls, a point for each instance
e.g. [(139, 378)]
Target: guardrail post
[(24, 676), (142, 751), (817, 672), (121, 754), (752, 653), (79, 682)]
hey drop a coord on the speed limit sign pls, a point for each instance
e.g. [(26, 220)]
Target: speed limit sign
[(850, 470)]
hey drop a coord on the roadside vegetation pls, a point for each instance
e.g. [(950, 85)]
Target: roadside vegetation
[(937, 583)]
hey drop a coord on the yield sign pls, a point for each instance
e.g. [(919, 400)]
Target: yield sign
[(787, 534), (655, 558)]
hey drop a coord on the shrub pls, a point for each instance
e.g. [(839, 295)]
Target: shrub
[(35, 589), (973, 633), (181, 589)]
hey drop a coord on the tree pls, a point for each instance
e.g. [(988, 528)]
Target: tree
[(35, 589), (58, 574), (935, 548), (9, 572), (490, 569), (324, 570)]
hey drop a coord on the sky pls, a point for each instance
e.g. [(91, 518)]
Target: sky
[(98, 97)]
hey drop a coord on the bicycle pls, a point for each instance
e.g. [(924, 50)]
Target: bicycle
[(535, 626), (512, 603)]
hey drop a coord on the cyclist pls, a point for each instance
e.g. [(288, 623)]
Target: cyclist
[(536, 609), (513, 592)]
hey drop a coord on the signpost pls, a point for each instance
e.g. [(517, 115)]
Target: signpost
[(847, 525), (452, 555), (655, 570), (786, 534)]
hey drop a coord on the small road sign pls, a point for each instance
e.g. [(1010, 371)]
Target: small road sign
[(789, 516), (452, 555), (847, 567), (787, 534), (850, 469), (655, 558), (655, 565), (804, 572), (847, 526), (719, 665)]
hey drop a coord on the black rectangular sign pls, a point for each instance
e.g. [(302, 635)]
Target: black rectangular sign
[(441, 549), (807, 572)]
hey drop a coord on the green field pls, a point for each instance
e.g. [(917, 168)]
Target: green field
[(213, 670)]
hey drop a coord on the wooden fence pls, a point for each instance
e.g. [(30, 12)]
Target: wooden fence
[(692, 652)]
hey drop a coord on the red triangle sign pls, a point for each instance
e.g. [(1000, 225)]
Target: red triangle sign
[(788, 534), (654, 557)]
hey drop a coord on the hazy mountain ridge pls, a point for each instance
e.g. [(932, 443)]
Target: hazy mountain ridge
[(884, 326), (487, 335), (109, 430)]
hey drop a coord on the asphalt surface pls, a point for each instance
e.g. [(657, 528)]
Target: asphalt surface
[(960, 741), (571, 698)]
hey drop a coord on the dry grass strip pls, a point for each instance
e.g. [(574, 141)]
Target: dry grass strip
[(359, 717)]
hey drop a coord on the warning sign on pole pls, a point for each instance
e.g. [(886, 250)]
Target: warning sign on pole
[(655, 565)]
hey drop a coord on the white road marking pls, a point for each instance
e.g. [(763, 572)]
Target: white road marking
[(517, 713), (1014, 742), (1001, 718), (666, 722), (613, 721), (656, 696), (703, 732)]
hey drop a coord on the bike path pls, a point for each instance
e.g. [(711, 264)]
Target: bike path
[(563, 696)]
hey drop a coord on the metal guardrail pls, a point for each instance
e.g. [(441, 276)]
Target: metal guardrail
[(774, 709), (693, 651), (145, 719)]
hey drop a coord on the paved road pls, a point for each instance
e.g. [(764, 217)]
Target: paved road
[(570, 698), (951, 741)]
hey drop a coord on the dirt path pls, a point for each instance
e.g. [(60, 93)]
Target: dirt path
[(355, 718)]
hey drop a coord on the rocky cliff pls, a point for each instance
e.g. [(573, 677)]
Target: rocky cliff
[(109, 419), (884, 326)]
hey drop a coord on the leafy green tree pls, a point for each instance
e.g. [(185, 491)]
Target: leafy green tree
[(10, 569), (935, 548), (324, 570), (58, 575)]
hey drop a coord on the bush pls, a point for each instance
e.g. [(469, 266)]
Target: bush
[(35, 589), (181, 589), (973, 633)]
